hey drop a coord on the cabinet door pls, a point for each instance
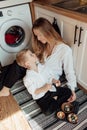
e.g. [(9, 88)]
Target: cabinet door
[(74, 34), (82, 57), (40, 12), (69, 32)]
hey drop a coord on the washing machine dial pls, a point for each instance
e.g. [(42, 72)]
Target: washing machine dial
[(9, 12)]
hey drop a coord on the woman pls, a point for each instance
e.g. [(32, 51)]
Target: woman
[(51, 50)]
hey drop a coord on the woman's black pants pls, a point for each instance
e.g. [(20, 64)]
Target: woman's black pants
[(49, 105)]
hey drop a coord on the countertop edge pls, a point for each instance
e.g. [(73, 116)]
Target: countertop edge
[(65, 12)]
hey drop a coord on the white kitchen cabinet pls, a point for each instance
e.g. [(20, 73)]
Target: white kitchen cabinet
[(74, 34), (68, 34), (81, 59)]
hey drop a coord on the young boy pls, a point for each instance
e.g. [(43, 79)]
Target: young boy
[(10, 74), (39, 80)]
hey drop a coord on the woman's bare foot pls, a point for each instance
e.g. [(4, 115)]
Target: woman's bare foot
[(4, 92)]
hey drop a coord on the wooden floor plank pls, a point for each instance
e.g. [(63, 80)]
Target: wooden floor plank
[(11, 116)]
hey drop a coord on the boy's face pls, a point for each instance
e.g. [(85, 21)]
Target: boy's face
[(31, 57)]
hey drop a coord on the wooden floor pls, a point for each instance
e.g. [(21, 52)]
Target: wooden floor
[(11, 117)]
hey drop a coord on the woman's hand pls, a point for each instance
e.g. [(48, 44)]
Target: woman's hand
[(56, 82), (72, 98)]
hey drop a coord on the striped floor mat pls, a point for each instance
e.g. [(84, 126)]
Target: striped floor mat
[(38, 121)]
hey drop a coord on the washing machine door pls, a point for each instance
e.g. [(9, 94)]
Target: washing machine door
[(15, 35)]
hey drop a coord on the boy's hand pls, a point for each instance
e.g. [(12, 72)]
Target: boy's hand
[(47, 87), (44, 88), (56, 82)]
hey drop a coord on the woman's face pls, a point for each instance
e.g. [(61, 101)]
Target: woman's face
[(40, 36)]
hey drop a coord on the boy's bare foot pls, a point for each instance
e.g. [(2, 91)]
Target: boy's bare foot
[(4, 92)]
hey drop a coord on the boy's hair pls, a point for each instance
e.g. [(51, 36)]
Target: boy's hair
[(21, 57)]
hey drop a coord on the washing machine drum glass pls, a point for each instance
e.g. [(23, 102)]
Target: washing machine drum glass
[(14, 36)]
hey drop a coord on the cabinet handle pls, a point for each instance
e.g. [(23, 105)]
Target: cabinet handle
[(76, 27), (79, 42)]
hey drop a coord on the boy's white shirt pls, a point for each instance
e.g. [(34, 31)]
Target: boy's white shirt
[(61, 57), (34, 80)]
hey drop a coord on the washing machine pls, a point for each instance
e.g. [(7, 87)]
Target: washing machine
[(15, 31)]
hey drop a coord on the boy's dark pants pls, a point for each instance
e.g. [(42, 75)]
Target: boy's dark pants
[(10, 74), (49, 105)]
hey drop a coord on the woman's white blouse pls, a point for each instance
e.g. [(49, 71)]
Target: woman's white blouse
[(62, 59)]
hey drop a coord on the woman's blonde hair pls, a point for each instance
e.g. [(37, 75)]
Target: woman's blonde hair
[(21, 57), (46, 28)]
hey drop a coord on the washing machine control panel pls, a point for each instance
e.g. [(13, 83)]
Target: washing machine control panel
[(1, 14)]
